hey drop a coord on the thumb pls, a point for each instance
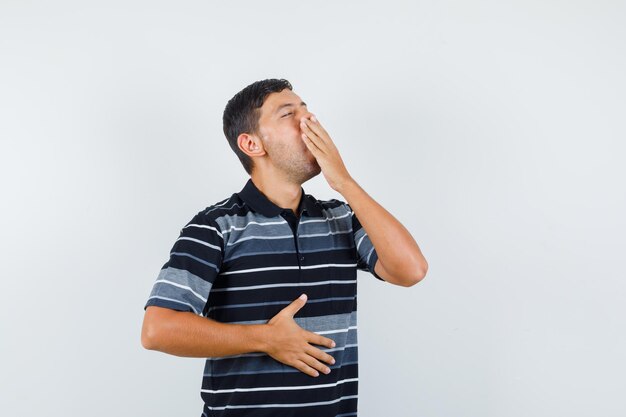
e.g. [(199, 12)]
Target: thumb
[(296, 305)]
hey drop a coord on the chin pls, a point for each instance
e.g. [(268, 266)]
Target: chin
[(316, 171), (310, 174)]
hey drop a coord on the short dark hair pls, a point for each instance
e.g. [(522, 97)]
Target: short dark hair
[(243, 111)]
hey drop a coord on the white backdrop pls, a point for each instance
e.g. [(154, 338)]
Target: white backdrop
[(494, 132)]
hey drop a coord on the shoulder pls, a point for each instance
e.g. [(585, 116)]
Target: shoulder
[(335, 208), (340, 203), (331, 203), (224, 207), (210, 215)]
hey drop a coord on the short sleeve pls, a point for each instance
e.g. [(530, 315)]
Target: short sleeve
[(185, 280), (367, 255)]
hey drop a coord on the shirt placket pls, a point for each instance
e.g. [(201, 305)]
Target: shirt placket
[(294, 223)]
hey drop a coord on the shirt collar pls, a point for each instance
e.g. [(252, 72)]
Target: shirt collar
[(259, 202)]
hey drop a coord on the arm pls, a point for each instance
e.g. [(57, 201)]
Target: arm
[(403, 261), (183, 333), (400, 260), (174, 322)]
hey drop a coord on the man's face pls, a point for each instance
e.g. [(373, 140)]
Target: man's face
[(281, 135)]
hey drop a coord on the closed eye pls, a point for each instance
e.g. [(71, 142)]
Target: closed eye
[(287, 114)]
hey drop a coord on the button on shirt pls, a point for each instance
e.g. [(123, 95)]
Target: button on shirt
[(242, 260)]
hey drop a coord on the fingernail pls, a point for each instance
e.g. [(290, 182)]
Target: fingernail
[(313, 118), (333, 344), (303, 296)]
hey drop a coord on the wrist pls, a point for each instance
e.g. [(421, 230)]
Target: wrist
[(345, 185), (259, 335), (348, 187)]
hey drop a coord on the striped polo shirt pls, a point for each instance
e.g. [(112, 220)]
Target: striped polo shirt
[(242, 260)]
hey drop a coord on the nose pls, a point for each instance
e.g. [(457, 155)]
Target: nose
[(304, 113)]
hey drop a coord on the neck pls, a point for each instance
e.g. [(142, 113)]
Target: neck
[(283, 193)]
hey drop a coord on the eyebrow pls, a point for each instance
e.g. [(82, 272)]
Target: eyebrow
[(302, 103)]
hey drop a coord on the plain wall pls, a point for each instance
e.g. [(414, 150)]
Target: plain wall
[(493, 131)]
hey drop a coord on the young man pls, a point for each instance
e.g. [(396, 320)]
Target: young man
[(230, 291)]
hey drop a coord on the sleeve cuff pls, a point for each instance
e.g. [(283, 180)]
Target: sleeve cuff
[(373, 260)]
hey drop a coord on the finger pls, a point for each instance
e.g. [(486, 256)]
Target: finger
[(320, 340), (310, 133), (293, 307), (321, 355), (311, 145), (316, 128), (304, 367), (315, 364)]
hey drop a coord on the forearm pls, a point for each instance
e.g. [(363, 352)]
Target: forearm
[(396, 248), (190, 335)]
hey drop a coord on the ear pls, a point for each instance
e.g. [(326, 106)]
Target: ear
[(250, 145)]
